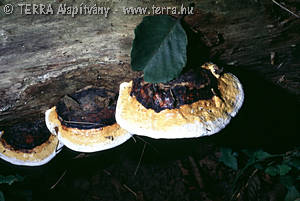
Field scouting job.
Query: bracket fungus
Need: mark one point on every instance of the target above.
(28, 144)
(200, 102)
(85, 120)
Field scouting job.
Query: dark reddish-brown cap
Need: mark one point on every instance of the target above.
(206, 115)
(28, 144)
(85, 121)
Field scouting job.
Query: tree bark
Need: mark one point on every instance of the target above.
(44, 57)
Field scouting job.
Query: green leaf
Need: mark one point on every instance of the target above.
(256, 155)
(228, 158)
(283, 169)
(292, 194)
(159, 48)
(273, 171)
(10, 179)
(261, 155)
(2, 196)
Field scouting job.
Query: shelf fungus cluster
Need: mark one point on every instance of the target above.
(85, 121)
(28, 144)
(200, 102)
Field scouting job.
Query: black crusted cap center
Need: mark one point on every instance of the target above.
(193, 85)
(26, 136)
(87, 109)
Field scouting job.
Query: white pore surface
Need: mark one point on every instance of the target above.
(239, 98)
(50, 125)
(16, 161)
(94, 147)
(190, 130)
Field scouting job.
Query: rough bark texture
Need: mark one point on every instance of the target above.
(44, 57)
(245, 35)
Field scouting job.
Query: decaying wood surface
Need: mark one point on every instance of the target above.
(43, 57)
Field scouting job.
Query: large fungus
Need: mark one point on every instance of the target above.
(28, 144)
(199, 102)
(85, 120)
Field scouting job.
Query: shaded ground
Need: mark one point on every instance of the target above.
(177, 170)
(111, 176)
(144, 169)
